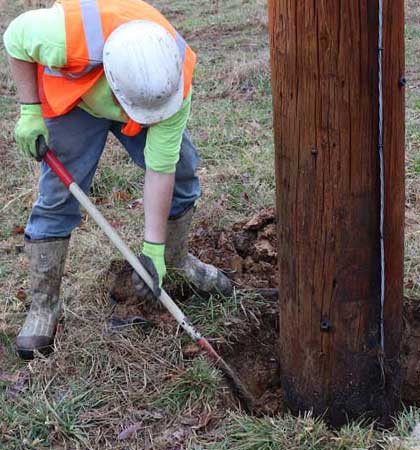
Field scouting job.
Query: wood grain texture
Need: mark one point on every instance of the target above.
(325, 99)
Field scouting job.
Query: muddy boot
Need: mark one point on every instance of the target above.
(46, 265)
(204, 277)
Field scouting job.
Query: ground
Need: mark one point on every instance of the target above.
(112, 384)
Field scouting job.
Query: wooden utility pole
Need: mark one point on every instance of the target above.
(326, 97)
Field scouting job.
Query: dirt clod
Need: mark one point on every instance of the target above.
(241, 251)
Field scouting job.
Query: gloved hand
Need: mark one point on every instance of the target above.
(30, 126)
(152, 258)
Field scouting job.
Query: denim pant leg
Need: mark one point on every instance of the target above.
(77, 139)
(187, 184)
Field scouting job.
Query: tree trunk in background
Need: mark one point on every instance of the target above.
(325, 98)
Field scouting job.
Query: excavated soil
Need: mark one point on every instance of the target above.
(247, 253)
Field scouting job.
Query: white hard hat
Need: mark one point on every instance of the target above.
(143, 66)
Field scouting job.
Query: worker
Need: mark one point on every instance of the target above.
(83, 68)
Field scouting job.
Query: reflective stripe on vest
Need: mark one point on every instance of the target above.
(94, 36)
(182, 45)
(93, 30)
(92, 27)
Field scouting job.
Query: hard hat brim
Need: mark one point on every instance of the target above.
(147, 116)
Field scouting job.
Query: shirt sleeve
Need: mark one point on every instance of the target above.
(38, 36)
(164, 139)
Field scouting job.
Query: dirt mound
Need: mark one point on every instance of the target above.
(247, 252)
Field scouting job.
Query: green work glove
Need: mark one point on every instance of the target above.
(30, 126)
(152, 258)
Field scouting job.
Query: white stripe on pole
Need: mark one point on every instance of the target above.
(381, 171)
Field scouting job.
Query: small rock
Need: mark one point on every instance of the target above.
(236, 263)
(261, 219)
(248, 263)
(222, 240)
(242, 242)
(128, 432)
(269, 232)
(264, 250)
(21, 294)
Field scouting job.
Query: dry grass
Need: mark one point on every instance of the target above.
(412, 259)
(99, 382)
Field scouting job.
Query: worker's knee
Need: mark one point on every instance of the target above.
(55, 212)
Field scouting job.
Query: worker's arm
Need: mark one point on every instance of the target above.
(31, 124)
(38, 36)
(161, 154)
(24, 75)
(158, 191)
(33, 37)
(164, 140)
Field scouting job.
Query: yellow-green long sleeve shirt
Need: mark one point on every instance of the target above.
(39, 36)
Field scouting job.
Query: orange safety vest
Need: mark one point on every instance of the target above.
(88, 24)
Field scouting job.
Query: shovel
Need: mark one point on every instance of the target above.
(43, 153)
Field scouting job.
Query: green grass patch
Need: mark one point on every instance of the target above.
(196, 386)
(121, 177)
(417, 166)
(5, 232)
(10, 361)
(407, 420)
(412, 32)
(242, 432)
(210, 314)
(250, 433)
(41, 418)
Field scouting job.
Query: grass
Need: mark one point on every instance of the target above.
(44, 417)
(288, 432)
(196, 386)
(417, 166)
(241, 432)
(412, 241)
(100, 382)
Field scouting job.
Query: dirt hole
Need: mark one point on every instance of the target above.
(253, 358)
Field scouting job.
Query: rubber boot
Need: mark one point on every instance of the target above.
(204, 277)
(46, 265)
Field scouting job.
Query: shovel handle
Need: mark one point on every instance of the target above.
(58, 169)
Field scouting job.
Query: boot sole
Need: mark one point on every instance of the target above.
(27, 354)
